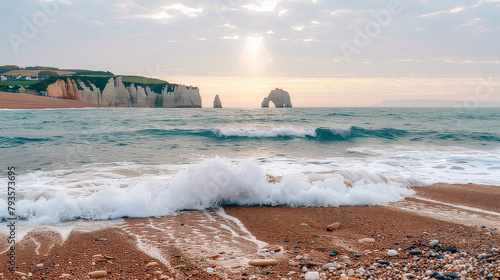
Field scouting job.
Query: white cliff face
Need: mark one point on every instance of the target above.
(181, 97)
(279, 97)
(115, 93)
(217, 103)
(90, 95)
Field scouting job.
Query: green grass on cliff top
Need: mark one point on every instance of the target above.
(142, 80)
(100, 82)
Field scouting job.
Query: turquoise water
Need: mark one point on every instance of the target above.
(73, 155)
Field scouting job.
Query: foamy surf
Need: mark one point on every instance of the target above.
(122, 191)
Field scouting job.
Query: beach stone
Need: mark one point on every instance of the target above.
(210, 270)
(415, 252)
(392, 253)
(180, 266)
(65, 275)
(384, 262)
(213, 257)
(433, 243)
(311, 275)
(263, 262)
(451, 275)
(304, 269)
(98, 274)
(328, 265)
(292, 263)
(272, 248)
(292, 273)
(333, 227)
(334, 253)
(367, 240)
(151, 264)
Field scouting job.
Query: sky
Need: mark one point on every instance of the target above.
(325, 53)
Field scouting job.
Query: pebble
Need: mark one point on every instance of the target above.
(98, 274)
(392, 253)
(213, 257)
(416, 252)
(180, 266)
(312, 275)
(272, 248)
(334, 253)
(328, 265)
(263, 262)
(367, 240)
(333, 227)
(151, 264)
(433, 243)
(450, 274)
(210, 270)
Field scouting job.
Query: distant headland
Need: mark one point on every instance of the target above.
(98, 87)
(105, 89)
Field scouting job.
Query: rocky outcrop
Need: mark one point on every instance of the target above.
(115, 93)
(217, 103)
(279, 97)
(63, 89)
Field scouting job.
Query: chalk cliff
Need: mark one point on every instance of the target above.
(279, 97)
(117, 93)
(217, 103)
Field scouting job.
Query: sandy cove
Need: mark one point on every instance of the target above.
(218, 244)
(9, 100)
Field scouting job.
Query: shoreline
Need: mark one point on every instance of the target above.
(9, 100)
(194, 243)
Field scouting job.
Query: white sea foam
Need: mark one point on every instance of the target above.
(275, 132)
(118, 191)
(343, 131)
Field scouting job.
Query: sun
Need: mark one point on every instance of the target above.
(254, 44)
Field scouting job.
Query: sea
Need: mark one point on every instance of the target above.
(111, 163)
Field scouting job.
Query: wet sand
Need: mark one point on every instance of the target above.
(223, 241)
(9, 100)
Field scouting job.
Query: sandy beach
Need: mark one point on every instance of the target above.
(9, 100)
(219, 243)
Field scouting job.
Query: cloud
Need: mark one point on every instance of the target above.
(263, 6)
(180, 8)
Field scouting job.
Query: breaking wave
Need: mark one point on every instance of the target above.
(106, 193)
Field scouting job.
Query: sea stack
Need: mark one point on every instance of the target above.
(217, 103)
(279, 97)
